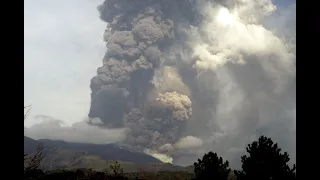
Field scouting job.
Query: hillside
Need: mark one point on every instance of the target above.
(105, 151)
(65, 155)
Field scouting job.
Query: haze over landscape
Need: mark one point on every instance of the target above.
(176, 79)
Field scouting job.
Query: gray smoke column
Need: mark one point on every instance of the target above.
(137, 87)
(194, 73)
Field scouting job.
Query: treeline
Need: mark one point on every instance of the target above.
(35, 173)
(263, 161)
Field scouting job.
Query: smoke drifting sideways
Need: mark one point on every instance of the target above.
(189, 76)
(80, 132)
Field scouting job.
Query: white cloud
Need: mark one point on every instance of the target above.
(51, 128)
(252, 55)
(63, 46)
(228, 37)
(189, 142)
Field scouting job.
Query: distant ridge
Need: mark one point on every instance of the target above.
(66, 155)
(105, 151)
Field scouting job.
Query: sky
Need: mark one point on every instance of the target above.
(63, 41)
(63, 47)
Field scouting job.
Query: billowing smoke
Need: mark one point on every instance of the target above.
(188, 76)
(189, 142)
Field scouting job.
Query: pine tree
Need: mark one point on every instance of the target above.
(211, 167)
(265, 162)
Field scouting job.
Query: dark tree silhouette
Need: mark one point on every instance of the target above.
(28, 111)
(33, 162)
(117, 171)
(211, 167)
(265, 162)
(25, 117)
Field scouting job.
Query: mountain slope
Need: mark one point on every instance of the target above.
(106, 151)
(65, 155)
(30, 145)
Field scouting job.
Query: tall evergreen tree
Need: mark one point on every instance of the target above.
(211, 167)
(265, 161)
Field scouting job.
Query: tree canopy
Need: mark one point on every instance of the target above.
(211, 167)
(265, 161)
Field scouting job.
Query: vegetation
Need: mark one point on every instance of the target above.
(264, 161)
(33, 162)
(211, 167)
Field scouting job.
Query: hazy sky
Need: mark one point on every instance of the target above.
(63, 41)
(63, 47)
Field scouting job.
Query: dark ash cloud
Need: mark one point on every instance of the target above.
(209, 72)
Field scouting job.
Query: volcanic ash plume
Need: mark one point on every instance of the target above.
(178, 103)
(134, 88)
(161, 124)
(178, 72)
